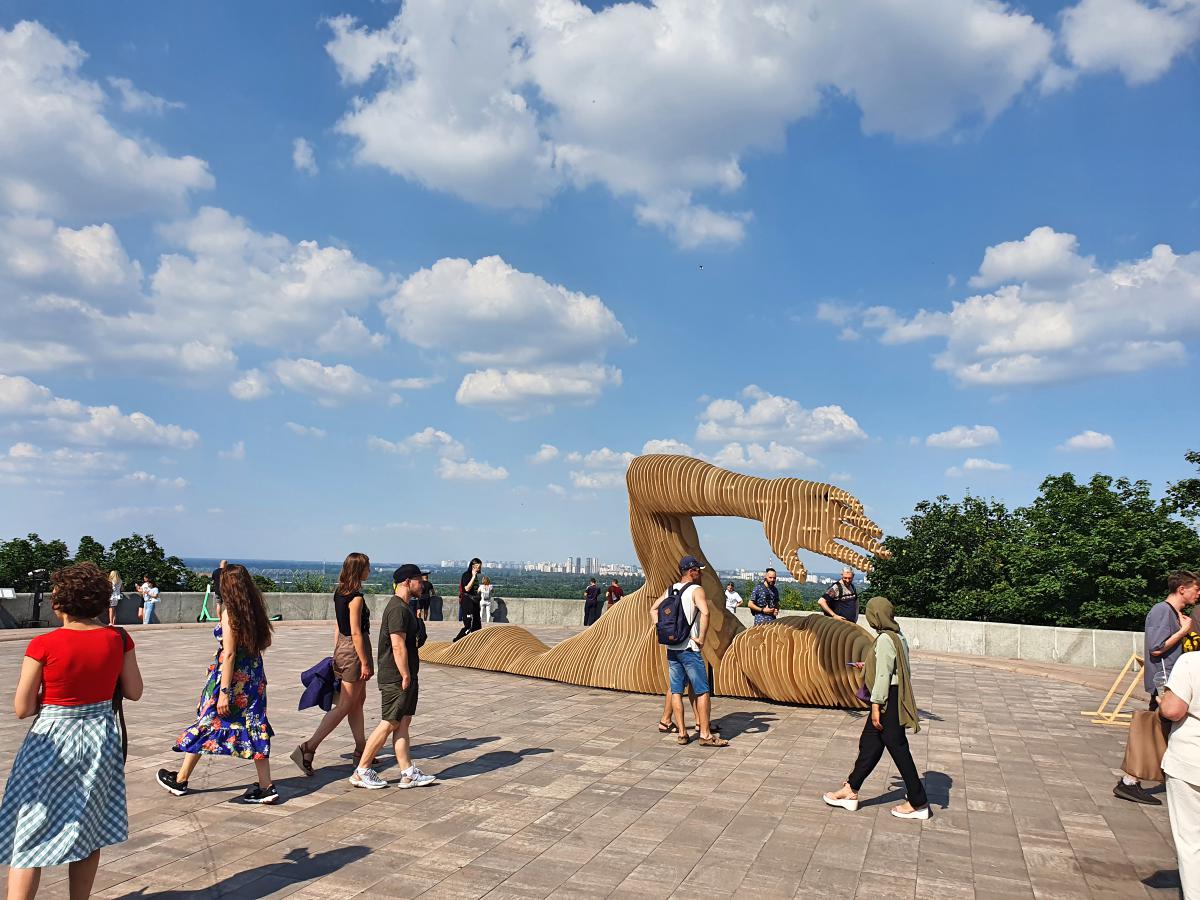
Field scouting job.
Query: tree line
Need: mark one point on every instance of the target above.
(1092, 554)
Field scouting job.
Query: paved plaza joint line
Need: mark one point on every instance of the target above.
(552, 790)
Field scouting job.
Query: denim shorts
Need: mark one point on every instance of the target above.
(687, 666)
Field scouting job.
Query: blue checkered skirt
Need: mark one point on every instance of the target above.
(65, 796)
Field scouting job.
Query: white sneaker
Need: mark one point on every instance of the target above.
(848, 803)
(367, 778)
(416, 778)
(922, 813)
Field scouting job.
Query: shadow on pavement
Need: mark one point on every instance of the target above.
(489, 762)
(300, 866)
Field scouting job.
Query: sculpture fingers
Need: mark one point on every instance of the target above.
(844, 554)
(862, 537)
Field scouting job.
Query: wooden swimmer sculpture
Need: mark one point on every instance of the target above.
(800, 659)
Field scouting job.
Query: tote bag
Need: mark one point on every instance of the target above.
(1147, 744)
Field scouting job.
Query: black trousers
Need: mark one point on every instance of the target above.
(893, 739)
(470, 616)
(591, 612)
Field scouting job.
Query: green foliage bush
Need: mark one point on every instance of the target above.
(1086, 555)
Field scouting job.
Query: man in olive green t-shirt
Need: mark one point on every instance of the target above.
(399, 663)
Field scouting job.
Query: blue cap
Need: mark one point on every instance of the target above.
(689, 562)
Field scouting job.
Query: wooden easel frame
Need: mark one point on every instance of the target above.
(1102, 716)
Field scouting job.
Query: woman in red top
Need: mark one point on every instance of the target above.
(65, 797)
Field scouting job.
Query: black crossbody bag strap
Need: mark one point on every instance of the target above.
(118, 700)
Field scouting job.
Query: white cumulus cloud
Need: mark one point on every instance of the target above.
(668, 446)
(764, 416)
(774, 457)
(975, 464)
(253, 385)
(1086, 321)
(469, 470)
(70, 160)
(135, 100)
(303, 158)
(236, 452)
(597, 480)
(964, 437)
(544, 454)
(1140, 40)
(1088, 440)
(520, 393)
(305, 430)
(328, 385)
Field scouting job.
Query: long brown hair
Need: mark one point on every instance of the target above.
(355, 570)
(246, 610)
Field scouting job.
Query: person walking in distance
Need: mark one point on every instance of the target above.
(841, 600)
(732, 599)
(485, 601)
(764, 599)
(591, 597)
(231, 719)
(893, 708)
(425, 598)
(685, 664)
(65, 796)
(399, 668)
(614, 593)
(1166, 630)
(352, 661)
(468, 598)
(116, 589)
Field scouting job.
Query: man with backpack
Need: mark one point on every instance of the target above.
(841, 600)
(680, 618)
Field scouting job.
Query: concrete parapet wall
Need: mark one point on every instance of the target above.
(1036, 643)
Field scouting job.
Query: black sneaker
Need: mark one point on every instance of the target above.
(1135, 793)
(255, 794)
(171, 782)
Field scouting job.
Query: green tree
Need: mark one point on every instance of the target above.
(136, 556)
(91, 550)
(20, 556)
(265, 584)
(951, 563)
(1183, 497)
(1096, 555)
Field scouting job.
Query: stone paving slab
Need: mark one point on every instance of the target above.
(551, 790)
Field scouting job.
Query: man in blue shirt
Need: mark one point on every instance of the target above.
(764, 601)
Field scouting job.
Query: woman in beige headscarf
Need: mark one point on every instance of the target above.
(892, 710)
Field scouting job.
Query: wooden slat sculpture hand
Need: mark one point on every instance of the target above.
(801, 659)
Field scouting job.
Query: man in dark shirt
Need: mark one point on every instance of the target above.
(396, 673)
(841, 600)
(764, 599)
(591, 608)
(468, 598)
(425, 597)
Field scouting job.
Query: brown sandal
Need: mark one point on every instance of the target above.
(713, 741)
(683, 740)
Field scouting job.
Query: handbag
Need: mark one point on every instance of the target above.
(118, 700)
(1146, 746)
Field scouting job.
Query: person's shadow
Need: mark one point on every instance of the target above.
(300, 866)
(737, 723)
(937, 790)
(440, 749)
(489, 762)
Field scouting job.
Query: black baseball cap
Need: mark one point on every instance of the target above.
(407, 571)
(689, 562)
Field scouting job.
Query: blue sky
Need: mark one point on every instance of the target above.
(298, 279)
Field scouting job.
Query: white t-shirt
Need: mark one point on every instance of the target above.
(732, 600)
(485, 593)
(1182, 759)
(690, 613)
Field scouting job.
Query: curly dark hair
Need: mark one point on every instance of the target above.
(81, 591)
(246, 610)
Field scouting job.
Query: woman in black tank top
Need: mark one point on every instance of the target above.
(351, 661)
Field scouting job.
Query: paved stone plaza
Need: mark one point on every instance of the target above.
(550, 790)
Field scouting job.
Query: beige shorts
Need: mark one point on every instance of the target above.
(346, 665)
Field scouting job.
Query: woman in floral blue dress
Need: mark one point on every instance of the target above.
(231, 719)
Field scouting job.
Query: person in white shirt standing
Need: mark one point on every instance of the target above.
(732, 598)
(1180, 703)
(485, 600)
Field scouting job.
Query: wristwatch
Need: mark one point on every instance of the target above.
(224, 690)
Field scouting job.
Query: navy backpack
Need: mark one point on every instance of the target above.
(673, 626)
